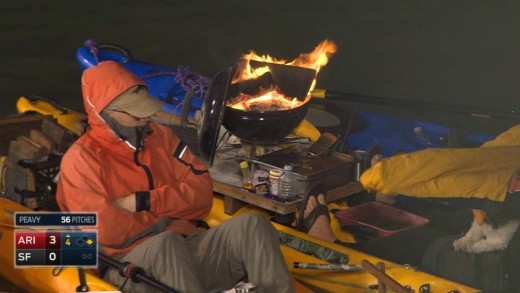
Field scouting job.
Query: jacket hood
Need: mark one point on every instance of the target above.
(101, 84)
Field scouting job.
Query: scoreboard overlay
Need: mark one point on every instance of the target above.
(56, 248)
(64, 220)
(48, 246)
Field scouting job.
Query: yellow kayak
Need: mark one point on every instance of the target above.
(338, 281)
(319, 280)
(73, 120)
(51, 279)
(47, 279)
(36, 279)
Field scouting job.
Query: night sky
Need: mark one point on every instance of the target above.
(464, 53)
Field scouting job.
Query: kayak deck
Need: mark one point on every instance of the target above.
(338, 281)
(45, 280)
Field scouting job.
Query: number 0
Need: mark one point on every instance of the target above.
(52, 256)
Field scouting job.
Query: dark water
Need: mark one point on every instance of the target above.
(463, 53)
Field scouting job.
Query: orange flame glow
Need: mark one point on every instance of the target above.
(270, 101)
(318, 58)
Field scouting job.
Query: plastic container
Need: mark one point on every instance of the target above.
(382, 218)
(287, 183)
(247, 182)
(275, 176)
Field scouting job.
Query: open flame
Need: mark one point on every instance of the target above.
(273, 99)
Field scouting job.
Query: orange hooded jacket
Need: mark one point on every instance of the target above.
(99, 168)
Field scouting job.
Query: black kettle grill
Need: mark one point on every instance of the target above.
(255, 127)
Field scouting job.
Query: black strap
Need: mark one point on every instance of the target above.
(142, 201)
(186, 107)
(179, 151)
(138, 163)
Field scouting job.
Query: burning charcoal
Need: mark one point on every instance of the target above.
(270, 101)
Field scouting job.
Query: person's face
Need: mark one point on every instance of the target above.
(126, 119)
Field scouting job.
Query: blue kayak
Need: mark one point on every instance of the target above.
(168, 85)
(391, 134)
(395, 135)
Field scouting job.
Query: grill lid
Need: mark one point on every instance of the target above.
(212, 113)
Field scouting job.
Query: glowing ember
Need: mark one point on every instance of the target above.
(273, 99)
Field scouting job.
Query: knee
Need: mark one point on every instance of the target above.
(169, 246)
(158, 243)
(170, 238)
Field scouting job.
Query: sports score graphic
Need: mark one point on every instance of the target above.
(55, 239)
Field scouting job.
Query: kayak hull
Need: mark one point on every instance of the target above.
(45, 280)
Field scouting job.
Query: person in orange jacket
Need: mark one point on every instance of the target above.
(149, 191)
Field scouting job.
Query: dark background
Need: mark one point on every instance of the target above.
(463, 53)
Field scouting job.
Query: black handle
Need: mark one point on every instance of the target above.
(117, 49)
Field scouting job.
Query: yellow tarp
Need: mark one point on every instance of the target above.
(482, 172)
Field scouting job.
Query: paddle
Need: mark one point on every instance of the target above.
(410, 104)
(135, 273)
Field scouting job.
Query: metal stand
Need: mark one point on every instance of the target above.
(83, 287)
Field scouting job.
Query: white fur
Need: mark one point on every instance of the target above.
(483, 238)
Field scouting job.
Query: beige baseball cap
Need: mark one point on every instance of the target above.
(137, 102)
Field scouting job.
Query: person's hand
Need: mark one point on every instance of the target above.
(127, 203)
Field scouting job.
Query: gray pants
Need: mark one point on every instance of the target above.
(212, 260)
